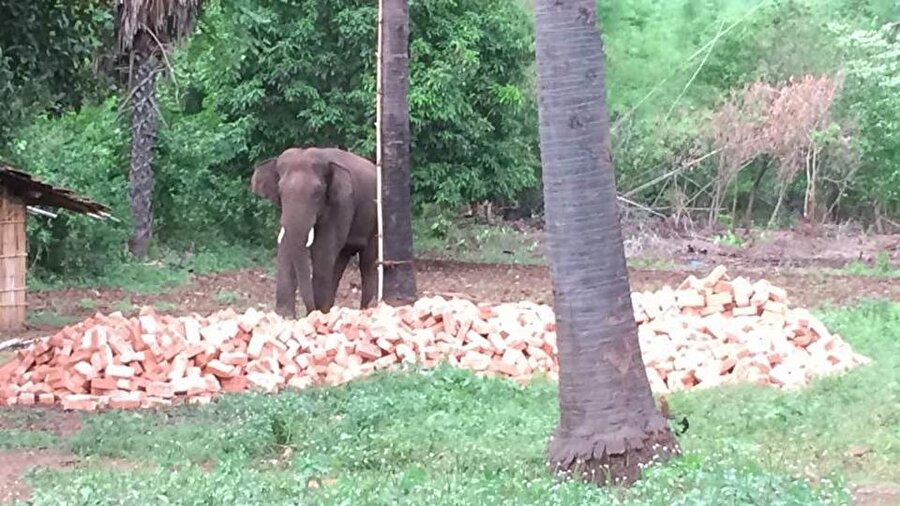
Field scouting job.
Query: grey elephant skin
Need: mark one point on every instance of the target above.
(329, 193)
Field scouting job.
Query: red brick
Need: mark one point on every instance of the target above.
(106, 383)
(27, 399)
(220, 369)
(119, 371)
(79, 402)
(126, 400)
(160, 389)
(234, 385)
(85, 369)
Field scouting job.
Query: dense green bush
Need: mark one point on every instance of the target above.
(86, 152)
(50, 52)
(302, 72)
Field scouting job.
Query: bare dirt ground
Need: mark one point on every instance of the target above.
(481, 282)
(15, 464)
(810, 263)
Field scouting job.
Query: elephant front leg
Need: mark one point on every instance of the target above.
(323, 257)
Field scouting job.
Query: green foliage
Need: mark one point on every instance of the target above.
(872, 99)
(85, 152)
(48, 53)
(297, 73)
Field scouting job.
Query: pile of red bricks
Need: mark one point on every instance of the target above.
(704, 333)
(717, 330)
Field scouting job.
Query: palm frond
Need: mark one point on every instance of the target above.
(167, 20)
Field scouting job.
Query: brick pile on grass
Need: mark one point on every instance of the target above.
(703, 333)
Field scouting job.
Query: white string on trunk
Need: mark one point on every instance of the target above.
(379, 94)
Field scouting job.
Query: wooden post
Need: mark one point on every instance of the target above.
(13, 252)
(379, 94)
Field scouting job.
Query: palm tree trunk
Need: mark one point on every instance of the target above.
(399, 270)
(609, 422)
(144, 124)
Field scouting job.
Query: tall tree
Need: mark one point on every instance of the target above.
(145, 29)
(609, 425)
(399, 282)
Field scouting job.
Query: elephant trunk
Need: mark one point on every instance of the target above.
(294, 240)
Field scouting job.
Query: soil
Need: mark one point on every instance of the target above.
(481, 282)
(36, 418)
(15, 464)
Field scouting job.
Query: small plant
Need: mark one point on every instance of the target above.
(228, 297)
(124, 306)
(87, 304)
(728, 239)
(165, 306)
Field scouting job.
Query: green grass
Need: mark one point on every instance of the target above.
(881, 268)
(228, 297)
(49, 319)
(437, 236)
(448, 437)
(17, 438)
(159, 274)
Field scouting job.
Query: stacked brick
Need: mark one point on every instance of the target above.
(706, 332)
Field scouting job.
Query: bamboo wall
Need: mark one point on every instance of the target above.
(13, 252)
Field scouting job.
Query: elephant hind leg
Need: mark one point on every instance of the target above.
(368, 273)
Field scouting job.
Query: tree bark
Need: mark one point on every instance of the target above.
(144, 124)
(748, 214)
(609, 425)
(399, 269)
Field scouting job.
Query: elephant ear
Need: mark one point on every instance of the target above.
(340, 187)
(265, 181)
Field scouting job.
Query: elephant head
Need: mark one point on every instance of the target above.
(313, 191)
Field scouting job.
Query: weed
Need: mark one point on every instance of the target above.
(164, 306)
(17, 438)
(882, 267)
(228, 297)
(125, 306)
(49, 319)
(87, 304)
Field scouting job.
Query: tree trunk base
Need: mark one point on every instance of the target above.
(616, 458)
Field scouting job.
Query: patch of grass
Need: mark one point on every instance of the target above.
(165, 306)
(228, 297)
(448, 437)
(651, 263)
(87, 304)
(881, 268)
(49, 319)
(438, 236)
(16, 438)
(168, 270)
(729, 239)
(125, 306)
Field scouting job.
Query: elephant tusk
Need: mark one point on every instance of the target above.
(281, 235)
(309, 240)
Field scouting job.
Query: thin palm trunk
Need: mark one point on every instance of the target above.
(399, 270)
(145, 28)
(609, 425)
(144, 124)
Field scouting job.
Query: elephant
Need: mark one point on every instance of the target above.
(326, 197)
